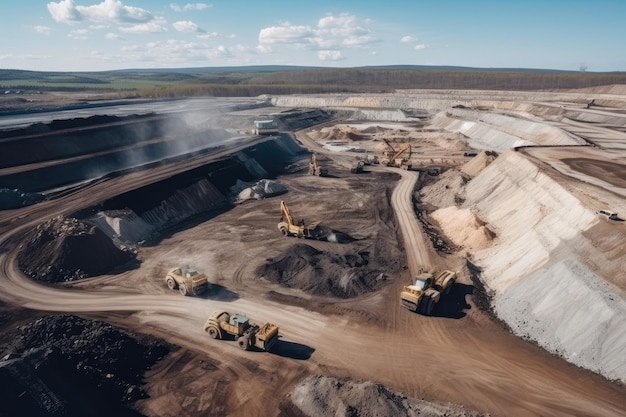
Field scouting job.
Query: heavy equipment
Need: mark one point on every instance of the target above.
(399, 157)
(222, 325)
(426, 292)
(187, 281)
(288, 226)
(315, 169)
(357, 168)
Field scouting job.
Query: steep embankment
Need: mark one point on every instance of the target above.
(500, 132)
(546, 274)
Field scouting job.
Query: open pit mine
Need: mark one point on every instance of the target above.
(313, 214)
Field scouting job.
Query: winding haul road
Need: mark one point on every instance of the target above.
(470, 362)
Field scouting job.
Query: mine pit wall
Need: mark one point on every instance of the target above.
(205, 188)
(545, 274)
(499, 132)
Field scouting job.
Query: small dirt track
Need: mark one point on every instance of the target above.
(472, 362)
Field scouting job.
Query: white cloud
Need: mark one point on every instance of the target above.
(189, 6)
(176, 52)
(114, 10)
(131, 48)
(342, 21)
(155, 26)
(98, 27)
(78, 34)
(356, 41)
(109, 12)
(330, 55)
(286, 34)
(212, 35)
(406, 39)
(44, 30)
(420, 46)
(186, 26)
(332, 34)
(111, 35)
(64, 11)
(264, 49)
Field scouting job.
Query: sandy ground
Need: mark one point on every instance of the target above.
(462, 355)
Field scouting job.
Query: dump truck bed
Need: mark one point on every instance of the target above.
(266, 336)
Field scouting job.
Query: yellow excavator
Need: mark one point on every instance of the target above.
(399, 157)
(315, 169)
(288, 226)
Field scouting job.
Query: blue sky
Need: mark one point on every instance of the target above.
(93, 35)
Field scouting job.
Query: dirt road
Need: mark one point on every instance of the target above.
(471, 361)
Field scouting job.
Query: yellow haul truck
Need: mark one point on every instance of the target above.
(422, 296)
(187, 281)
(221, 325)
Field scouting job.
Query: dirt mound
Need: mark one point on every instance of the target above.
(66, 249)
(463, 227)
(326, 396)
(447, 190)
(69, 366)
(323, 273)
(478, 163)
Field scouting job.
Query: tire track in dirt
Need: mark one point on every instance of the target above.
(478, 366)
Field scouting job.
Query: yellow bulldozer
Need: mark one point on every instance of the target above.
(422, 296)
(399, 157)
(315, 169)
(223, 325)
(288, 226)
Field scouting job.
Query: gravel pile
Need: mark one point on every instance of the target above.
(66, 249)
(326, 396)
(323, 273)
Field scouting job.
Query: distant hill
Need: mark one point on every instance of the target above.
(276, 79)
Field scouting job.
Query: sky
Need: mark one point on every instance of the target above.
(96, 35)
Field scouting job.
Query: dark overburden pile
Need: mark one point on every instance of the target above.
(323, 273)
(69, 366)
(65, 249)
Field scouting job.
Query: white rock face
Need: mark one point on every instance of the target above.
(569, 311)
(541, 269)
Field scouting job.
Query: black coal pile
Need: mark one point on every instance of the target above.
(69, 366)
(66, 249)
(323, 273)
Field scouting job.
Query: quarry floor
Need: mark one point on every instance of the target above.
(461, 355)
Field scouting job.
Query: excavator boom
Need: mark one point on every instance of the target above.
(395, 156)
(286, 214)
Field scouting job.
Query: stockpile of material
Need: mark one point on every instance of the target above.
(262, 189)
(123, 226)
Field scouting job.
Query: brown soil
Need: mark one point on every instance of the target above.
(460, 355)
